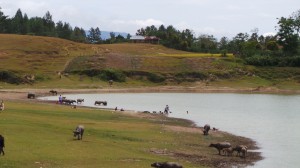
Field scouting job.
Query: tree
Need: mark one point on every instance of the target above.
(3, 22)
(79, 35)
(94, 36)
(296, 18)
(49, 25)
(36, 26)
(112, 37)
(18, 24)
(128, 36)
(206, 43)
(64, 30)
(287, 37)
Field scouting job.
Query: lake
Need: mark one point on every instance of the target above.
(271, 120)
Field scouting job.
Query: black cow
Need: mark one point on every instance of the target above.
(2, 145)
(220, 146)
(166, 165)
(79, 130)
(206, 128)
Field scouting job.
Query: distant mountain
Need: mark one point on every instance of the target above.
(106, 34)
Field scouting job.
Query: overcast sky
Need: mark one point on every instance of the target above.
(213, 17)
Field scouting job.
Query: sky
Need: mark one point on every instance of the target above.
(213, 17)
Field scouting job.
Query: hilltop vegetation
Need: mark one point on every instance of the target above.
(38, 60)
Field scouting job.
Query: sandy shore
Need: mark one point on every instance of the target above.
(21, 94)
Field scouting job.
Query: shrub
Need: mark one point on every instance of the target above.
(10, 77)
(111, 74)
(156, 78)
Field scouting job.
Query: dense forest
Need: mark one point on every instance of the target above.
(281, 49)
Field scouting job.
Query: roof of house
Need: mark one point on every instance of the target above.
(137, 38)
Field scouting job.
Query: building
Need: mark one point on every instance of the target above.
(145, 39)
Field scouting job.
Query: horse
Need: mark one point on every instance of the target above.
(79, 130)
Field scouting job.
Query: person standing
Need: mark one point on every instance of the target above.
(2, 145)
(166, 109)
(60, 99)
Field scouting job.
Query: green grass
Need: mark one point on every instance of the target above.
(40, 135)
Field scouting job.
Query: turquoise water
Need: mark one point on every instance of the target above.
(271, 120)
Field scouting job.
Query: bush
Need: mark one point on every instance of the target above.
(257, 60)
(196, 75)
(155, 78)
(10, 77)
(110, 74)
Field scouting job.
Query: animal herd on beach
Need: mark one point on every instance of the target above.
(224, 148)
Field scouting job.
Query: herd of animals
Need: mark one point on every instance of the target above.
(224, 148)
(78, 101)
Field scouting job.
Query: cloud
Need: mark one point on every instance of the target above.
(147, 22)
(269, 34)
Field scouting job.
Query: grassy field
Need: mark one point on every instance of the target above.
(143, 65)
(40, 135)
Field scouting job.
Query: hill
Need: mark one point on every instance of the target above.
(40, 59)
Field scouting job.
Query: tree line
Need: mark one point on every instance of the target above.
(45, 26)
(281, 49)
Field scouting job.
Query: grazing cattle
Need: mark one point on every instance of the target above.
(227, 151)
(101, 102)
(2, 145)
(241, 149)
(68, 101)
(79, 101)
(53, 92)
(31, 96)
(166, 165)
(78, 132)
(206, 128)
(220, 146)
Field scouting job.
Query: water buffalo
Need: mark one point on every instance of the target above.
(100, 102)
(78, 132)
(220, 146)
(79, 101)
(206, 128)
(241, 149)
(53, 92)
(31, 96)
(2, 145)
(68, 101)
(227, 151)
(166, 165)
